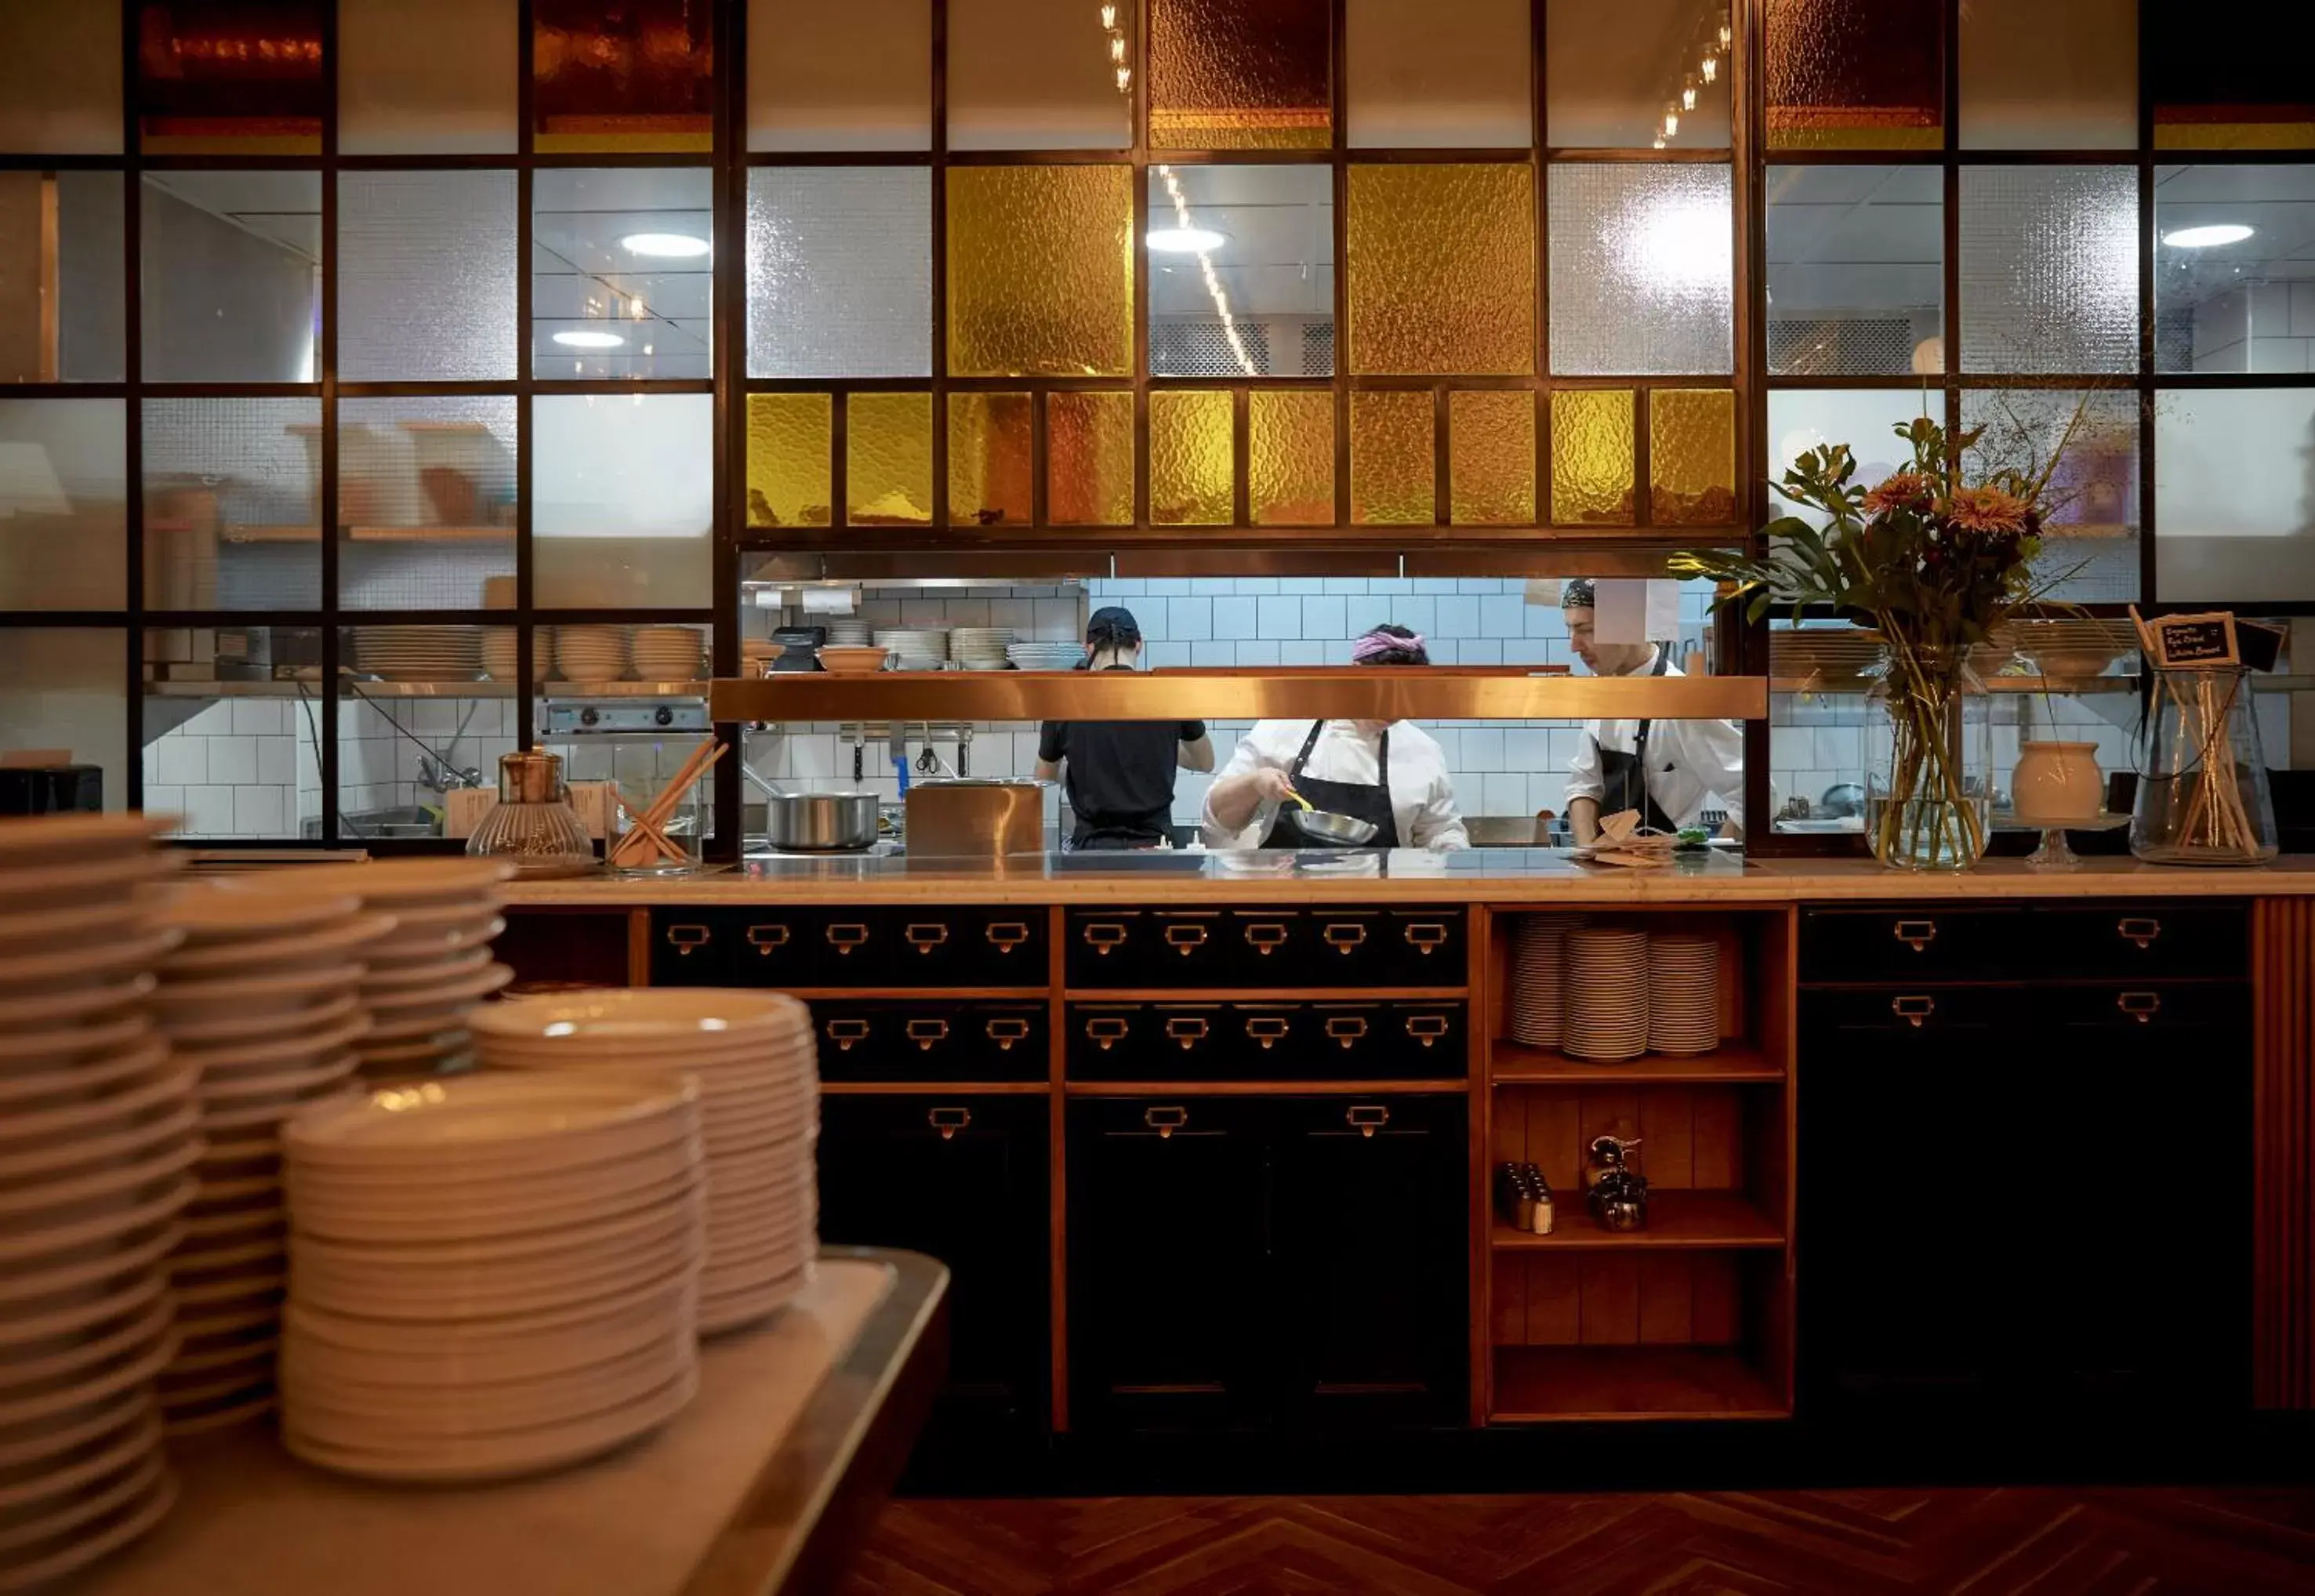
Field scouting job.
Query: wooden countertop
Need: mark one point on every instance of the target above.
(1479, 876)
(754, 1488)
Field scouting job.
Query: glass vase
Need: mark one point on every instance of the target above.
(1929, 760)
(2202, 778)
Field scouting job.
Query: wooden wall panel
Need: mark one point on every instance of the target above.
(2282, 1225)
(1652, 1298)
(1691, 1136)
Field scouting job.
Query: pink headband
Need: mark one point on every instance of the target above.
(1382, 642)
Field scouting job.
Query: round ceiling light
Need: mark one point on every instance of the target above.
(2210, 238)
(673, 246)
(1185, 241)
(589, 341)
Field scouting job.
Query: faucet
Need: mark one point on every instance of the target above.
(438, 775)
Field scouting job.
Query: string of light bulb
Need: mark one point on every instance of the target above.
(1713, 41)
(1204, 252)
(1120, 67)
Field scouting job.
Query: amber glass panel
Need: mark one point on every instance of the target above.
(1422, 74)
(1089, 459)
(1443, 270)
(428, 77)
(1691, 456)
(59, 78)
(1611, 73)
(2050, 75)
(1591, 457)
(1190, 459)
(788, 437)
(242, 77)
(1290, 471)
(1040, 271)
(888, 459)
(1240, 74)
(2232, 74)
(855, 76)
(1393, 477)
(990, 475)
(1034, 74)
(1855, 74)
(1491, 460)
(636, 75)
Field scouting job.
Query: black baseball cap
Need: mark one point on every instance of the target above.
(1112, 622)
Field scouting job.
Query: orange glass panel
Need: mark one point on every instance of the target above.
(1392, 466)
(636, 75)
(888, 459)
(990, 475)
(1491, 460)
(1240, 74)
(1855, 74)
(1089, 459)
(1040, 271)
(1591, 457)
(1289, 439)
(242, 77)
(788, 438)
(1691, 456)
(2231, 75)
(1443, 270)
(1191, 458)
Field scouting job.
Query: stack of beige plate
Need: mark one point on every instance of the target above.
(752, 1056)
(1826, 653)
(915, 648)
(2064, 647)
(419, 653)
(491, 1275)
(98, 1138)
(499, 662)
(980, 648)
(666, 654)
(848, 633)
(1538, 955)
(1607, 994)
(1683, 993)
(591, 653)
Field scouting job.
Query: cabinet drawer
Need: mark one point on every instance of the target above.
(1931, 942)
(1904, 1016)
(1140, 947)
(1265, 947)
(1150, 1042)
(1212, 1042)
(2153, 1008)
(2143, 941)
(960, 947)
(910, 1040)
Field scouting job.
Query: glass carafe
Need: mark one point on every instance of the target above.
(532, 826)
(2202, 776)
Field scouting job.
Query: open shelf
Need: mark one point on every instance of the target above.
(1676, 1218)
(1513, 1063)
(1535, 1384)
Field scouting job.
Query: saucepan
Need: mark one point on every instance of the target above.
(1338, 831)
(831, 822)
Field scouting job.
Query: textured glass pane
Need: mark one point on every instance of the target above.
(401, 317)
(1034, 74)
(1856, 272)
(636, 75)
(1424, 76)
(410, 693)
(1089, 459)
(59, 78)
(1443, 270)
(428, 77)
(1039, 272)
(231, 281)
(66, 691)
(2049, 269)
(839, 271)
(1241, 271)
(622, 500)
(2089, 533)
(989, 477)
(855, 76)
(1691, 456)
(239, 77)
(64, 509)
(426, 500)
(62, 304)
(1240, 74)
(1190, 459)
(1864, 419)
(888, 459)
(2232, 289)
(1620, 75)
(1642, 270)
(1290, 468)
(2229, 524)
(789, 438)
(1855, 74)
(1491, 460)
(2050, 75)
(1591, 457)
(233, 503)
(2232, 74)
(1394, 467)
(622, 272)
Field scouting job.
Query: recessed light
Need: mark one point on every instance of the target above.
(678, 246)
(589, 341)
(2217, 232)
(1185, 241)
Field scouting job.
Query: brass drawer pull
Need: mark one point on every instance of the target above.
(1108, 1030)
(1006, 935)
(1915, 935)
(767, 940)
(1189, 1030)
(1343, 937)
(1103, 937)
(845, 937)
(1265, 936)
(2141, 1006)
(925, 1032)
(2141, 929)
(1165, 1121)
(1915, 1010)
(1427, 936)
(1004, 1033)
(1269, 1030)
(925, 939)
(1426, 1029)
(1346, 1029)
(1184, 939)
(686, 939)
(1366, 1117)
(844, 1032)
(948, 1121)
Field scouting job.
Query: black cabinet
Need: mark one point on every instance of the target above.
(1265, 947)
(836, 947)
(1406, 1040)
(878, 1039)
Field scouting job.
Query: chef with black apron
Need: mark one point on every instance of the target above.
(1671, 771)
(1119, 774)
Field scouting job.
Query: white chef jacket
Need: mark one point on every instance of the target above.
(1422, 797)
(1691, 763)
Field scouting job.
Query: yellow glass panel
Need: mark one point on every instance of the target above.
(1240, 74)
(1289, 439)
(1040, 271)
(1491, 460)
(1392, 477)
(788, 438)
(1591, 457)
(1441, 271)
(990, 473)
(1190, 459)
(1089, 459)
(1691, 456)
(888, 459)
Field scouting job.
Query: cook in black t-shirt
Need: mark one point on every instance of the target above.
(1119, 777)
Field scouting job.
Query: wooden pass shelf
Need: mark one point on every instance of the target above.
(1676, 1218)
(1630, 1382)
(1515, 1064)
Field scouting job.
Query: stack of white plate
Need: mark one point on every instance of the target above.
(490, 1275)
(1539, 958)
(98, 1136)
(848, 633)
(419, 653)
(498, 652)
(752, 1054)
(1045, 656)
(1683, 993)
(666, 654)
(591, 653)
(980, 648)
(915, 648)
(1606, 1008)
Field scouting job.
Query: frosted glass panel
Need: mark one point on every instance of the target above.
(428, 77)
(1426, 75)
(425, 500)
(233, 503)
(1856, 273)
(401, 316)
(839, 271)
(59, 77)
(622, 496)
(2233, 515)
(65, 691)
(1804, 418)
(623, 272)
(2050, 75)
(2049, 269)
(853, 76)
(231, 279)
(63, 492)
(1242, 276)
(2090, 531)
(1613, 72)
(1642, 270)
(62, 309)
(2232, 289)
(1033, 75)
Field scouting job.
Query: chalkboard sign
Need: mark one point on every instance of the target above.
(2195, 640)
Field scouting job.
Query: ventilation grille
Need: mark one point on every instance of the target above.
(1318, 349)
(1201, 349)
(1840, 346)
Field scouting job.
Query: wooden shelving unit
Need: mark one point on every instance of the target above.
(1675, 1220)
(1535, 1384)
(1516, 1065)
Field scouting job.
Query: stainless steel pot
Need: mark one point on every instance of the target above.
(823, 822)
(973, 817)
(1338, 831)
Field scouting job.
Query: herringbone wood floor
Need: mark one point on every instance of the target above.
(1843, 1543)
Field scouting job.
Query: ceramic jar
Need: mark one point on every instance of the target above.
(2057, 784)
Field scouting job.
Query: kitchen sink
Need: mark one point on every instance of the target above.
(404, 821)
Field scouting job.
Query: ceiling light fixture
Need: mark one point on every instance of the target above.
(2208, 237)
(674, 246)
(1184, 240)
(589, 341)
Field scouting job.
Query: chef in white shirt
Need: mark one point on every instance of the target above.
(1391, 774)
(1671, 771)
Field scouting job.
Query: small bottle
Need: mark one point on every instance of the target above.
(1543, 1219)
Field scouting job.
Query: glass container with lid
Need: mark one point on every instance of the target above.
(532, 826)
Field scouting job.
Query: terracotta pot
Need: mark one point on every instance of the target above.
(2057, 783)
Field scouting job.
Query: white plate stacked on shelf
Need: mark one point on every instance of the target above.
(491, 1275)
(419, 653)
(667, 653)
(591, 653)
(499, 662)
(1539, 958)
(1605, 1017)
(1045, 656)
(752, 1056)
(847, 634)
(1683, 993)
(915, 648)
(980, 648)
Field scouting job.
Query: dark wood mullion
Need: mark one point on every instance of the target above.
(1338, 155)
(1743, 644)
(839, 511)
(1442, 466)
(326, 761)
(1138, 158)
(1540, 158)
(2150, 591)
(729, 339)
(132, 407)
(525, 560)
(839, 465)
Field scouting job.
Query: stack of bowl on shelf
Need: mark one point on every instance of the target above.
(1537, 1005)
(1044, 656)
(666, 654)
(98, 1138)
(419, 653)
(499, 662)
(980, 648)
(1609, 994)
(591, 653)
(1683, 993)
(915, 648)
(491, 1275)
(752, 1056)
(1606, 982)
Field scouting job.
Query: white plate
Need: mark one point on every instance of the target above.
(428, 883)
(670, 1219)
(72, 1004)
(230, 1092)
(124, 1339)
(452, 934)
(649, 1012)
(69, 885)
(100, 1269)
(398, 1417)
(84, 965)
(48, 1162)
(416, 1127)
(492, 1337)
(391, 1006)
(53, 1048)
(209, 1416)
(544, 1295)
(97, 1539)
(250, 1028)
(426, 971)
(330, 944)
(125, 1296)
(223, 1065)
(427, 1365)
(93, 1077)
(232, 911)
(46, 928)
(463, 1292)
(255, 994)
(71, 1430)
(24, 838)
(456, 1219)
(224, 1121)
(120, 1450)
(164, 1085)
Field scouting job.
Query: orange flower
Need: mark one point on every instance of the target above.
(1907, 490)
(1987, 510)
